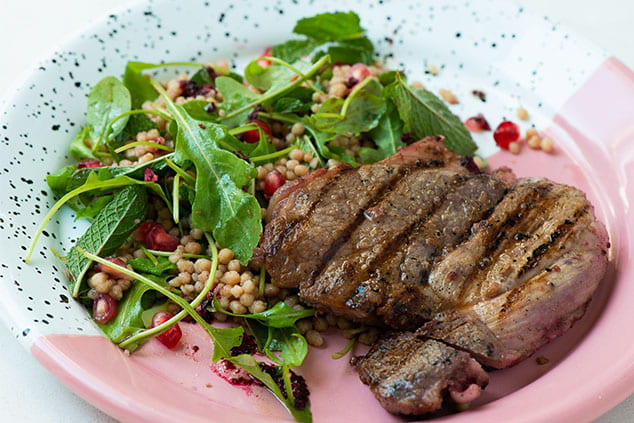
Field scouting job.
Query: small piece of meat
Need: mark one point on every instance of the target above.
(413, 377)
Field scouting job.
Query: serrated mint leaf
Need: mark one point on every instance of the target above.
(424, 114)
(109, 229)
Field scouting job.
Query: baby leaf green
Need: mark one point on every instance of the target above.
(330, 26)
(108, 99)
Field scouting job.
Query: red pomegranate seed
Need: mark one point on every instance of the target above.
(272, 181)
(477, 124)
(263, 62)
(109, 270)
(89, 163)
(506, 133)
(104, 308)
(253, 136)
(158, 239)
(150, 176)
(359, 71)
(153, 236)
(171, 336)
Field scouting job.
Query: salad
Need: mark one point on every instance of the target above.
(175, 176)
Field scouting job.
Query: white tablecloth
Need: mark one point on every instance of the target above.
(28, 393)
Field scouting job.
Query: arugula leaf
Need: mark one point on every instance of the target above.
(58, 181)
(278, 316)
(220, 205)
(110, 229)
(360, 112)
(108, 99)
(198, 110)
(292, 346)
(425, 114)
(129, 317)
(248, 363)
(330, 26)
(145, 265)
(386, 136)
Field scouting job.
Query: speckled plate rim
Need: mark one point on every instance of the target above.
(587, 402)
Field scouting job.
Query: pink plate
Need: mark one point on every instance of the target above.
(583, 98)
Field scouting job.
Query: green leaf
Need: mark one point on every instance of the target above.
(109, 230)
(139, 85)
(93, 208)
(386, 136)
(145, 265)
(235, 96)
(202, 77)
(78, 148)
(425, 114)
(330, 26)
(108, 99)
(220, 205)
(198, 110)
(278, 316)
(248, 363)
(298, 100)
(136, 123)
(224, 340)
(293, 50)
(365, 108)
(358, 50)
(129, 317)
(58, 181)
(291, 345)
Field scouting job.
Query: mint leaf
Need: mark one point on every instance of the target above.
(108, 99)
(111, 227)
(293, 50)
(425, 114)
(330, 26)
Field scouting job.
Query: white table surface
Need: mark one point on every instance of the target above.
(28, 393)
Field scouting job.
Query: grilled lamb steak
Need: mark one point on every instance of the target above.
(483, 264)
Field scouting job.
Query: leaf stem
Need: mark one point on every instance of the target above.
(270, 95)
(270, 156)
(140, 112)
(176, 198)
(345, 350)
(146, 143)
(186, 176)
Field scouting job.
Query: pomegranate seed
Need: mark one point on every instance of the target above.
(153, 236)
(477, 124)
(357, 73)
(150, 176)
(272, 181)
(253, 136)
(158, 239)
(109, 270)
(171, 336)
(263, 62)
(506, 133)
(89, 164)
(104, 308)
